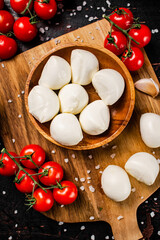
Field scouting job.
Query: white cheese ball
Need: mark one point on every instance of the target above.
(109, 84)
(56, 73)
(73, 98)
(150, 129)
(84, 65)
(95, 118)
(143, 166)
(43, 103)
(115, 183)
(66, 130)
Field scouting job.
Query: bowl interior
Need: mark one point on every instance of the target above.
(121, 111)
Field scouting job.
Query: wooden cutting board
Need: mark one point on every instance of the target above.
(17, 131)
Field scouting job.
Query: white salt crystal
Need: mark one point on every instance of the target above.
(113, 155)
(2, 65)
(90, 156)
(60, 223)
(19, 116)
(120, 217)
(66, 160)
(152, 214)
(13, 140)
(76, 179)
(79, 8)
(82, 188)
(82, 179)
(53, 151)
(15, 211)
(108, 3)
(84, 3)
(90, 19)
(46, 28)
(65, 230)
(158, 233)
(97, 167)
(3, 192)
(82, 227)
(91, 217)
(69, 26)
(91, 188)
(93, 237)
(10, 101)
(73, 155)
(88, 171)
(86, 16)
(133, 189)
(41, 30)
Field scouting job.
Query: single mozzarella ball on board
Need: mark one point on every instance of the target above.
(143, 166)
(66, 130)
(43, 103)
(56, 73)
(95, 118)
(115, 183)
(150, 129)
(73, 98)
(109, 84)
(84, 65)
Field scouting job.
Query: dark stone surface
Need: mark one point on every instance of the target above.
(15, 221)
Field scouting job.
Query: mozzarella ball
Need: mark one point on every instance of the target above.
(73, 98)
(150, 129)
(56, 73)
(115, 183)
(109, 84)
(66, 130)
(84, 65)
(95, 118)
(143, 166)
(43, 103)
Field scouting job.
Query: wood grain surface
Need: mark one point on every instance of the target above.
(15, 124)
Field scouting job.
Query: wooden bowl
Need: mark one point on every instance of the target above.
(121, 111)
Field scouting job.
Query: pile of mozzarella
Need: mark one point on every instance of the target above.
(72, 99)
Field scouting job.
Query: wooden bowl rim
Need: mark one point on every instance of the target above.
(130, 109)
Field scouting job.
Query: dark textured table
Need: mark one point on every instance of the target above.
(15, 221)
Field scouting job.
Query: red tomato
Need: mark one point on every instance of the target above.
(123, 17)
(54, 175)
(44, 200)
(7, 165)
(8, 47)
(45, 10)
(26, 185)
(38, 156)
(6, 21)
(24, 30)
(135, 61)
(141, 35)
(1, 4)
(20, 5)
(66, 195)
(117, 43)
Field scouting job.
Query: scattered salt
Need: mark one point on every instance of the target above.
(97, 28)
(10, 101)
(82, 40)
(86, 16)
(19, 116)
(142, 197)
(88, 171)
(120, 217)
(84, 3)
(88, 181)
(100, 172)
(113, 155)
(108, 3)
(90, 19)
(128, 4)
(155, 199)
(82, 188)
(75, 39)
(93, 237)
(10, 238)
(82, 179)
(3, 192)
(66, 160)
(78, 37)
(73, 155)
(62, 205)
(90, 156)
(146, 201)
(103, 9)
(91, 6)
(46, 28)
(158, 233)
(91, 217)
(13, 140)
(18, 95)
(16, 225)
(98, 8)
(76, 179)
(112, 237)
(69, 26)
(91, 188)
(74, 13)
(82, 227)
(152, 214)
(2, 65)
(71, 14)
(97, 167)
(47, 38)
(15, 211)
(57, 23)
(142, 223)
(53, 151)
(41, 30)
(154, 152)
(60, 223)
(107, 237)
(79, 8)
(92, 38)
(133, 189)
(114, 147)
(88, 178)
(22, 92)
(65, 230)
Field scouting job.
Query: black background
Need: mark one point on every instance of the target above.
(22, 224)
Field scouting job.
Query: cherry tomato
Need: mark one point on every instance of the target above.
(54, 174)
(26, 185)
(67, 194)
(6, 21)
(38, 156)
(7, 165)
(44, 200)
(24, 30)
(8, 47)
(135, 61)
(123, 17)
(141, 35)
(45, 10)
(117, 43)
(1, 4)
(20, 5)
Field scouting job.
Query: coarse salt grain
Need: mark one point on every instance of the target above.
(113, 155)
(120, 217)
(93, 237)
(46, 28)
(66, 160)
(62, 205)
(82, 227)
(128, 4)
(82, 40)
(16, 225)
(79, 8)
(98, 8)
(152, 214)
(75, 39)
(88, 181)
(74, 13)
(82, 179)
(108, 3)
(78, 37)
(107, 237)
(15, 211)
(100, 172)
(142, 223)
(65, 230)
(47, 38)
(154, 152)
(57, 23)
(88, 171)
(19, 116)
(13, 140)
(91, 6)
(60, 223)
(86, 16)
(2, 65)
(73, 155)
(76, 179)
(92, 38)
(105, 145)
(18, 95)
(84, 3)
(41, 30)
(10, 238)
(91, 217)
(91, 188)
(22, 92)
(88, 178)
(90, 19)
(146, 201)
(53, 151)
(97, 167)
(158, 233)
(142, 197)
(3, 192)
(82, 188)
(90, 156)
(133, 189)
(114, 147)
(10, 101)
(103, 9)
(69, 26)
(112, 237)
(71, 14)
(155, 199)
(97, 28)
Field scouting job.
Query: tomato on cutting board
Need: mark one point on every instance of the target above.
(141, 34)
(43, 200)
(7, 166)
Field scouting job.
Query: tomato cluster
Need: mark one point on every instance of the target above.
(127, 38)
(36, 178)
(24, 28)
